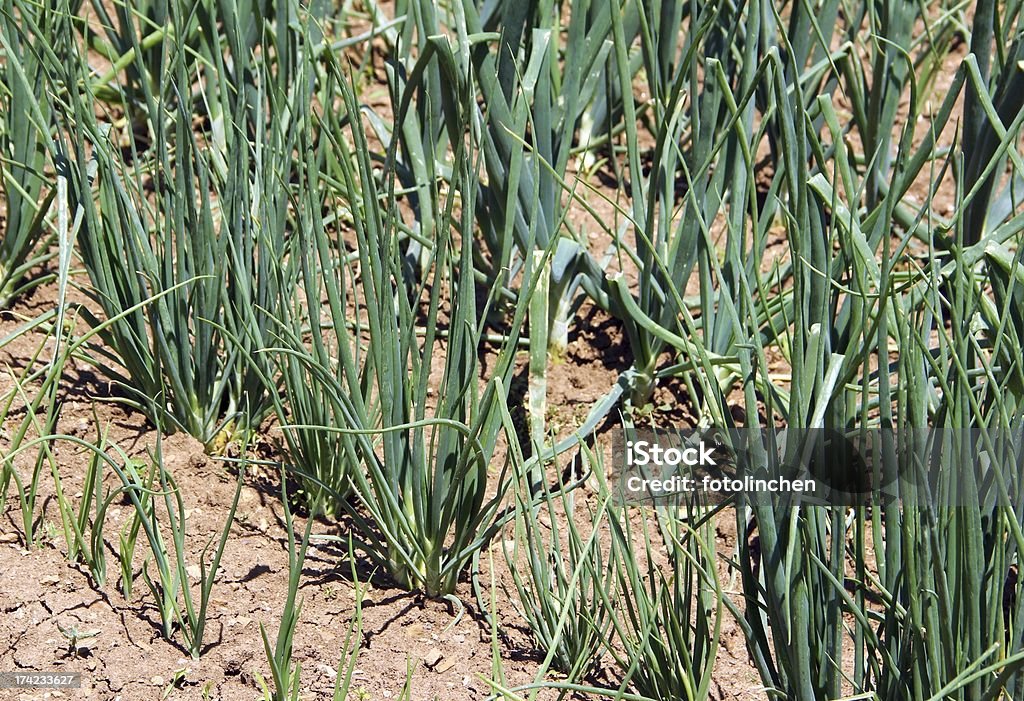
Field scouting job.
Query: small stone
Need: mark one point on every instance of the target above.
(194, 572)
(156, 681)
(433, 658)
(8, 537)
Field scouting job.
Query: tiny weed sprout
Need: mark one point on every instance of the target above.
(75, 637)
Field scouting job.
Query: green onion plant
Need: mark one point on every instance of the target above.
(208, 208)
(26, 158)
(568, 576)
(860, 293)
(287, 676)
(409, 463)
(171, 589)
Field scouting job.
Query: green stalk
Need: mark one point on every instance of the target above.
(538, 318)
(286, 676)
(26, 190)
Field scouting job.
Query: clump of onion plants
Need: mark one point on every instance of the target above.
(387, 415)
(168, 202)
